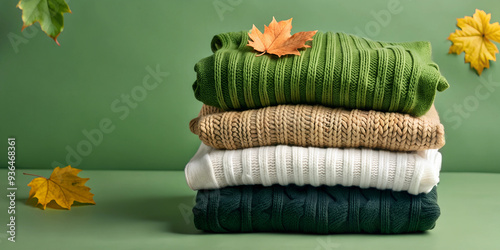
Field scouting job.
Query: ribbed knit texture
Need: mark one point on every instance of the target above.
(339, 70)
(320, 210)
(415, 172)
(317, 126)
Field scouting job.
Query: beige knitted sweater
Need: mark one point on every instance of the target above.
(317, 126)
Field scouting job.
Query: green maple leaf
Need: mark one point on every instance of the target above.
(49, 13)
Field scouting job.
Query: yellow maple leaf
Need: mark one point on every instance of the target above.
(475, 38)
(63, 186)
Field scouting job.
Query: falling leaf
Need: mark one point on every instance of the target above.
(49, 13)
(475, 38)
(277, 39)
(63, 186)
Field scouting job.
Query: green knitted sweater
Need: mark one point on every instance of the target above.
(308, 209)
(339, 70)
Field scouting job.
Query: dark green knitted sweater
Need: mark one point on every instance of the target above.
(308, 209)
(339, 70)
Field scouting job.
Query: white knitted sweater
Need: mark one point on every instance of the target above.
(415, 172)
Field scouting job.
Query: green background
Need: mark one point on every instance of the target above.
(50, 94)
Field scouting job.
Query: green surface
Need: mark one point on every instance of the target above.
(50, 94)
(151, 210)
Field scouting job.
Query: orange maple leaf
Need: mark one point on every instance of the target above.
(63, 186)
(474, 39)
(278, 40)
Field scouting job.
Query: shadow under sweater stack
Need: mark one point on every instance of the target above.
(341, 139)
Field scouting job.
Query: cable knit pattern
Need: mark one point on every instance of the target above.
(415, 172)
(317, 126)
(339, 70)
(309, 209)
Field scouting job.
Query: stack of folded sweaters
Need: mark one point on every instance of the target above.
(342, 138)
